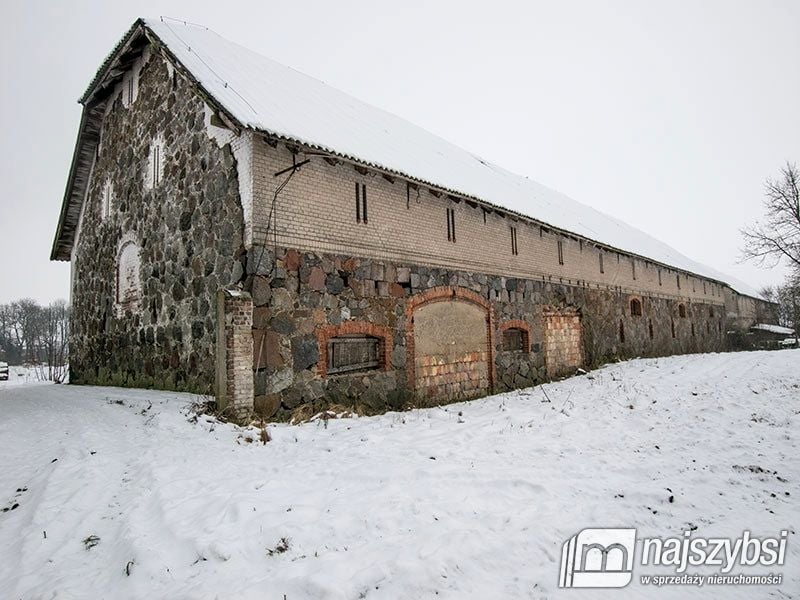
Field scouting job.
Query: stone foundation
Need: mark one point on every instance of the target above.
(303, 299)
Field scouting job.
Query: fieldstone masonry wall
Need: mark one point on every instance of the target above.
(188, 232)
(302, 298)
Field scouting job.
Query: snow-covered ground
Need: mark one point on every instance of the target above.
(119, 494)
(19, 375)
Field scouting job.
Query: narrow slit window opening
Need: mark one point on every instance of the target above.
(361, 203)
(451, 225)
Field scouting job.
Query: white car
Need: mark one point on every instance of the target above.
(4, 371)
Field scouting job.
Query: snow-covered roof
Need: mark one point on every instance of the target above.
(773, 328)
(267, 96)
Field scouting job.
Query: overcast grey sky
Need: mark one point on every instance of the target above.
(668, 115)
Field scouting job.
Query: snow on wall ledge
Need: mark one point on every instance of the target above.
(267, 96)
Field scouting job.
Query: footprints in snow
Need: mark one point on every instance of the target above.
(14, 504)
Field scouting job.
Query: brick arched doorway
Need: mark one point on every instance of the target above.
(449, 349)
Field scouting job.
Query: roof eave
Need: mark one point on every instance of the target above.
(484, 203)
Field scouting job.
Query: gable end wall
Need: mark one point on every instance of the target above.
(189, 230)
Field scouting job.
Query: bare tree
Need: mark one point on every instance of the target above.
(769, 293)
(53, 333)
(25, 324)
(7, 349)
(37, 336)
(778, 236)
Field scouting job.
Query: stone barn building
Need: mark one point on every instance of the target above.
(237, 228)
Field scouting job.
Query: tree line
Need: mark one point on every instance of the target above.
(36, 335)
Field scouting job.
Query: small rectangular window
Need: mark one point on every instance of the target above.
(514, 249)
(515, 340)
(633, 268)
(659, 277)
(602, 267)
(451, 225)
(704, 288)
(361, 203)
(560, 252)
(353, 354)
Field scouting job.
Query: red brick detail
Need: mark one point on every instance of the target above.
(443, 294)
(353, 328)
(518, 324)
(563, 343)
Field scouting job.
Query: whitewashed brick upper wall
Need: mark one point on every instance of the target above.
(316, 211)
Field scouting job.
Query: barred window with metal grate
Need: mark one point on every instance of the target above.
(357, 353)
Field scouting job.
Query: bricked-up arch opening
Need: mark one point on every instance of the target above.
(127, 275)
(516, 336)
(449, 346)
(353, 346)
(682, 311)
(636, 307)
